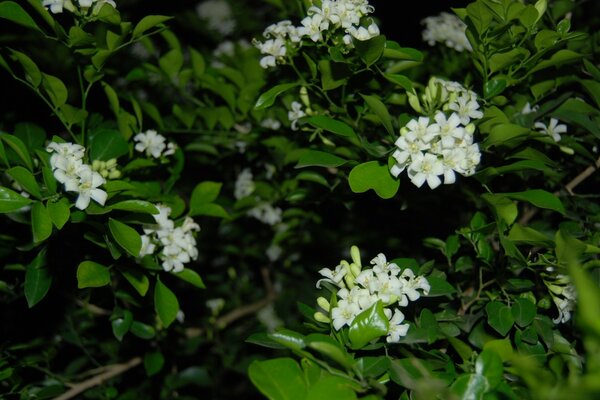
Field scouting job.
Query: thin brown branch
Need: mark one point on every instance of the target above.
(110, 371)
(252, 308)
(573, 183)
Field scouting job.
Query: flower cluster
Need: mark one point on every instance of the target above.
(70, 170)
(153, 144)
(320, 24)
(218, 15)
(564, 296)
(440, 146)
(448, 29)
(177, 243)
(262, 211)
(57, 6)
(359, 289)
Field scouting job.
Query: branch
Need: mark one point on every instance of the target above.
(110, 372)
(583, 175)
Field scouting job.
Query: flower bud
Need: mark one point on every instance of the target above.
(544, 303)
(323, 303)
(304, 96)
(355, 269)
(114, 174)
(413, 100)
(355, 254)
(470, 128)
(319, 316)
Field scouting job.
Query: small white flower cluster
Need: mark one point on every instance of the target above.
(263, 211)
(57, 6)
(227, 50)
(448, 29)
(218, 15)
(564, 296)
(428, 148)
(331, 16)
(178, 245)
(153, 144)
(70, 170)
(553, 129)
(360, 288)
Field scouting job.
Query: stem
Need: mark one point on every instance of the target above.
(110, 371)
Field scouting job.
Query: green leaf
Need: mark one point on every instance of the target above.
(141, 206)
(524, 234)
(506, 134)
(191, 276)
(439, 287)
(92, 274)
(290, 339)
(494, 87)
(372, 175)
(316, 158)
(137, 278)
(539, 198)
(329, 347)
(331, 125)
(56, 90)
(505, 209)
(489, 364)
(11, 201)
(127, 237)
(370, 50)
(333, 74)
(41, 223)
(121, 325)
(332, 387)
(13, 12)
(470, 386)
(205, 192)
(368, 325)
(267, 99)
(165, 303)
(38, 279)
(401, 80)
(153, 362)
(499, 61)
(171, 63)
(148, 22)
(33, 74)
(26, 179)
(380, 110)
(524, 311)
(59, 212)
(278, 379)
(105, 144)
(32, 135)
(141, 330)
(499, 317)
(18, 147)
(560, 57)
(210, 209)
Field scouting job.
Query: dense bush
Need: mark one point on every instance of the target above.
(295, 200)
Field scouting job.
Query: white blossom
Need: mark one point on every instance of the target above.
(295, 114)
(553, 129)
(244, 184)
(218, 15)
(448, 29)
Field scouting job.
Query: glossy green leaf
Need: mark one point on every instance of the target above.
(147, 23)
(32, 72)
(401, 80)
(329, 347)
(11, 201)
(38, 279)
(59, 212)
(316, 158)
(369, 325)
(267, 99)
(499, 317)
(92, 274)
(171, 63)
(26, 179)
(210, 210)
(141, 330)
(205, 192)
(439, 287)
(105, 144)
(373, 366)
(19, 148)
(331, 125)
(32, 135)
(470, 386)
(127, 237)
(499, 61)
(14, 12)
(395, 52)
(136, 278)
(41, 223)
(121, 325)
(539, 198)
(370, 50)
(140, 206)
(165, 303)
(333, 74)
(506, 134)
(56, 90)
(278, 379)
(560, 57)
(380, 110)
(153, 362)
(524, 234)
(489, 364)
(191, 276)
(375, 176)
(504, 208)
(332, 387)
(288, 338)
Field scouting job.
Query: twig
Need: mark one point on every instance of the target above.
(463, 309)
(242, 311)
(110, 372)
(583, 175)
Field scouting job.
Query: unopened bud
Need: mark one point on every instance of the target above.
(413, 100)
(323, 303)
(304, 96)
(355, 254)
(567, 150)
(319, 316)
(114, 174)
(470, 128)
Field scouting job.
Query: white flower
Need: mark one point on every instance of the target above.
(274, 49)
(268, 317)
(344, 314)
(266, 213)
(334, 276)
(244, 184)
(397, 328)
(448, 29)
(527, 109)
(450, 129)
(270, 123)
(553, 129)
(381, 266)
(426, 168)
(218, 15)
(466, 107)
(215, 305)
(295, 114)
(55, 6)
(150, 142)
(274, 252)
(147, 246)
(313, 26)
(87, 188)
